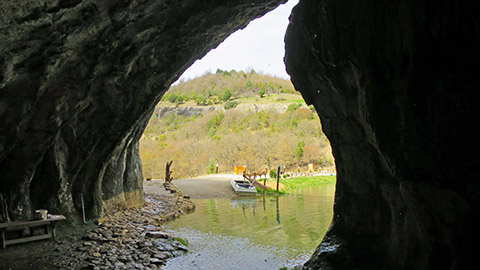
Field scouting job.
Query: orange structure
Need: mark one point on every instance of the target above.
(239, 169)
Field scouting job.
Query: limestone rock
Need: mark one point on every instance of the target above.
(79, 81)
(396, 95)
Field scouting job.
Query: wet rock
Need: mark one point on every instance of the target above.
(390, 89)
(158, 234)
(136, 244)
(162, 255)
(156, 261)
(182, 248)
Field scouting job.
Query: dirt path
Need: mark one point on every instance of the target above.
(209, 186)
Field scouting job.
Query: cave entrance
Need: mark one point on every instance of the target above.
(226, 112)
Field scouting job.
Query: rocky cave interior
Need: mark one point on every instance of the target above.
(394, 85)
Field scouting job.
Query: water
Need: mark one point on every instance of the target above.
(254, 233)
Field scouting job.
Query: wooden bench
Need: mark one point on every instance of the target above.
(48, 225)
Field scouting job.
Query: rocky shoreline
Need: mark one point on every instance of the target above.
(129, 239)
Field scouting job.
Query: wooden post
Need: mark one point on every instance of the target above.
(3, 238)
(216, 169)
(83, 208)
(266, 173)
(278, 176)
(3, 209)
(168, 172)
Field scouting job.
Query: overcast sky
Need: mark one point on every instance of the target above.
(259, 46)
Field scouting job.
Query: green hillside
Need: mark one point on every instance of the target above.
(284, 131)
(224, 86)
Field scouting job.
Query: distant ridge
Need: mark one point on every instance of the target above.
(224, 86)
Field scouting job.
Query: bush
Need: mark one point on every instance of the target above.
(178, 100)
(230, 104)
(261, 93)
(293, 107)
(273, 174)
(226, 94)
(201, 101)
(170, 97)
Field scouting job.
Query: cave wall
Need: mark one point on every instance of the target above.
(79, 80)
(395, 86)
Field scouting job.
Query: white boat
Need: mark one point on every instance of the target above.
(243, 187)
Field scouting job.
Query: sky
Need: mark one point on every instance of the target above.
(259, 46)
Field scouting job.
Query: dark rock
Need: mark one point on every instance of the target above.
(397, 96)
(395, 86)
(158, 234)
(156, 261)
(78, 85)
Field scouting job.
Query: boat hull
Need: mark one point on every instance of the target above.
(243, 187)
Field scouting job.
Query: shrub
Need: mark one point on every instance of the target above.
(178, 100)
(226, 94)
(261, 93)
(230, 104)
(293, 107)
(273, 174)
(170, 97)
(201, 101)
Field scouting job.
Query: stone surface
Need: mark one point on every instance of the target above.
(395, 87)
(394, 84)
(158, 234)
(79, 80)
(118, 242)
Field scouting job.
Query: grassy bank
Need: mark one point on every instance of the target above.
(298, 183)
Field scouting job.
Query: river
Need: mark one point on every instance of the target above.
(264, 232)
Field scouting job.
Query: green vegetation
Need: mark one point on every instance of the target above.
(211, 166)
(230, 104)
(269, 191)
(232, 134)
(295, 183)
(181, 240)
(225, 85)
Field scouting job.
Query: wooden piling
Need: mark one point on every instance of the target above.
(278, 176)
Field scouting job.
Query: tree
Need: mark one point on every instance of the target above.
(170, 97)
(299, 150)
(178, 100)
(211, 166)
(226, 94)
(261, 93)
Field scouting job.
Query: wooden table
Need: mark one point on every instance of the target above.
(48, 225)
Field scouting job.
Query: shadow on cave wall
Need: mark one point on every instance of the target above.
(392, 83)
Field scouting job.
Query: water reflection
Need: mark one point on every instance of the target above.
(271, 231)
